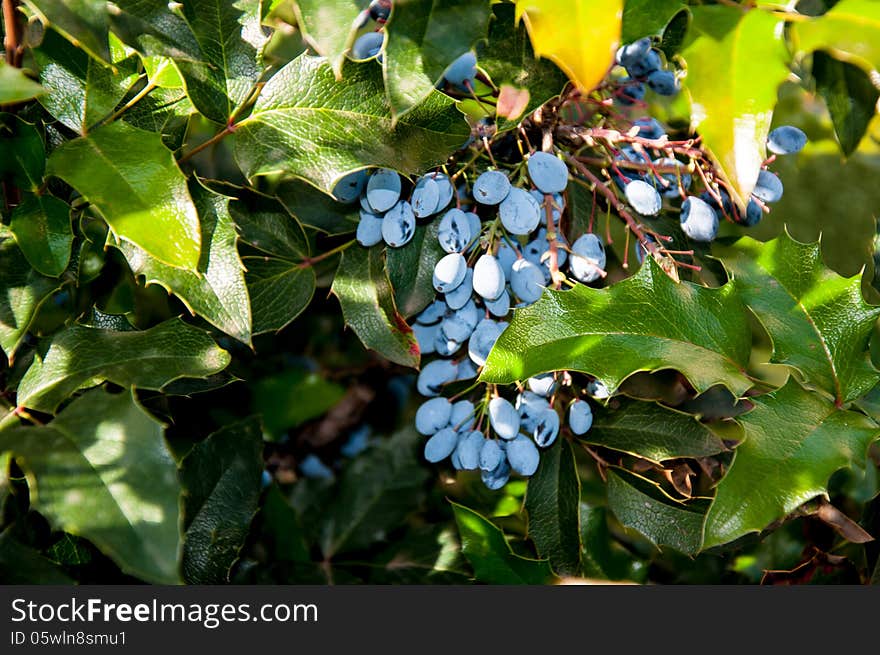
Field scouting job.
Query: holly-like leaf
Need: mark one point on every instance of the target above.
(491, 557)
(552, 501)
(279, 290)
(101, 470)
(221, 493)
(82, 22)
(216, 291)
(647, 17)
(22, 291)
(367, 301)
(164, 111)
(423, 38)
(15, 86)
(20, 564)
(294, 127)
(264, 223)
(745, 50)
(818, 321)
(329, 26)
(154, 211)
(850, 31)
(24, 155)
(850, 95)
(80, 357)
(645, 323)
(651, 431)
(317, 209)
(411, 270)
(643, 506)
(601, 558)
(41, 225)
(794, 441)
(560, 28)
(216, 45)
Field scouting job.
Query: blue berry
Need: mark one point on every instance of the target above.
(433, 415)
(497, 478)
(357, 442)
(489, 278)
(462, 71)
(587, 260)
(399, 225)
(643, 66)
(433, 313)
(454, 232)
(460, 295)
(383, 189)
(449, 272)
(434, 375)
(369, 229)
(349, 188)
(663, 83)
(426, 336)
(698, 220)
(482, 340)
(491, 188)
(380, 10)
(441, 445)
(506, 255)
(632, 52)
(768, 187)
(520, 213)
(530, 405)
(523, 455)
(526, 281)
(754, 214)
(367, 45)
(643, 198)
(786, 140)
(548, 173)
(504, 418)
(470, 444)
(546, 427)
(580, 417)
(649, 128)
(425, 197)
(672, 191)
(630, 92)
(491, 455)
(462, 417)
(499, 307)
(312, 467)
(455, 329)
(726, 206)
(543, 385)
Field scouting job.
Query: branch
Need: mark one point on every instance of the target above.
(12, 29)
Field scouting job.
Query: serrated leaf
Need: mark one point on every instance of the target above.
(216, 291)
(491, 557)
(22, 291)
(79, 357)
(317, 209)
(643, 506)
(850, 95)
(367, 299)
(850, 31)
(101, 470)
(165, 111)
(644, 323)
(651, 431)
(154, 211)
(329, 26)
(216, 45)
(422, 38)
(221, 493)
(411, 270)
(647, 17)
(279, 290)
(21, 564)
(24, 155)
(818, 321)
(294, 126)
(600, 557)
(559, 28)
(82, 22)
(264, 223)
(41, 225)
(15, 86)
(746, 50)
(552, 501)
(794, 441)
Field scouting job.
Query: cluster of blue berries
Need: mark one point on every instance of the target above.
(644, 67)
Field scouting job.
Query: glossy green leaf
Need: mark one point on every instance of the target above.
(818, 320)
(80, 357)
(101, 470)
(489, 554)
(41, 225)
(651, 431)
(422, 38)
(735, 62)
(133, 180)
(647, 17)
(22, 291)
(21, 564)
(329, 26)
(279, 290)
(643, 506)
(850, 31)
(292, 397)
(221, 493)
(850, 95)
(411, 270)
(15, 86)
(645, 323)
(316, 208)
(264, 223)
(216, 291)
(24, 155)
(294, 127)
(601, 558)
(794, 441)
(164, 111)
(552, 501)
(367, 299)
(82, 22)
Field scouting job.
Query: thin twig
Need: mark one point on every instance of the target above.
(12, 29)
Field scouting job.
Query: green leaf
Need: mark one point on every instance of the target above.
(280, 291)
(264, 223)
(41, 225)
(644, 323)
(850, 95)
(559, 28)
(22, 291)
(20, 564)
(153, 211)
(24, 153)
(216, 45)
(367, 299)
(491, 557)
(651, 431)
(422, 38)
(101, 470)
(221, 493)
(217, 290)
(643, 506)
(850, 32)
(411, 270)
(164, 111)
(79, 357)
(287, 400)
(329, 26)
(817, 320)
(647, 17)
(82, 22)
(601, 558)
(288, 544)
(794, 441)
(745, 49)
(552, 500)
(15, 86)
(316, 208)
(294, 127)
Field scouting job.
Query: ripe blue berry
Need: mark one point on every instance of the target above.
(433, 313)
(433, 415)
(630, 92)
(548, 173)
(399, 225)
(520, 213)
(441, 445)
(526, 281)
(470, 444)
(673, 190)
(462, 417)
(497, 478)
(482, 340)
(499, 307)
(426, 336)
(489, 278)
(768, 187)
(643, 66)
(434, 375)
(491, 188)
(367, 45)
(754, 214)
(649, 128)
(588, 260)
(462, 71)
(425, 197)
(643, 198)
(380, 9)
(369, 229)
(698, 220)
(523, 455)
(491, 455)
(546, 427)
(786, 140)
(449, 272)
(454, 232)
(460, 295)
(663, 83)
(383, 189)
(349, 188)
(580, 417)
(503, 418)
(543, 385)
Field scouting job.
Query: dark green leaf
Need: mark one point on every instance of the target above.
(645, 323)
(552, 504)
(164, 111)
(647, 17)
(488, 552)
(329, 26)
(288, 543)
(317, 209)
(367, 299)
(294, 127)
(264, 223)
(15, 86)
(279, 290)
(82, 22)
(133, 180)
(411, 270)
(102, 471)
(80, 357)
(41, 225)
(20, 564)
(601, 558)
(24, 155)
(428, 554)
(292, 397)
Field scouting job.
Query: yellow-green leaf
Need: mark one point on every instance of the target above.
(850, 31)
